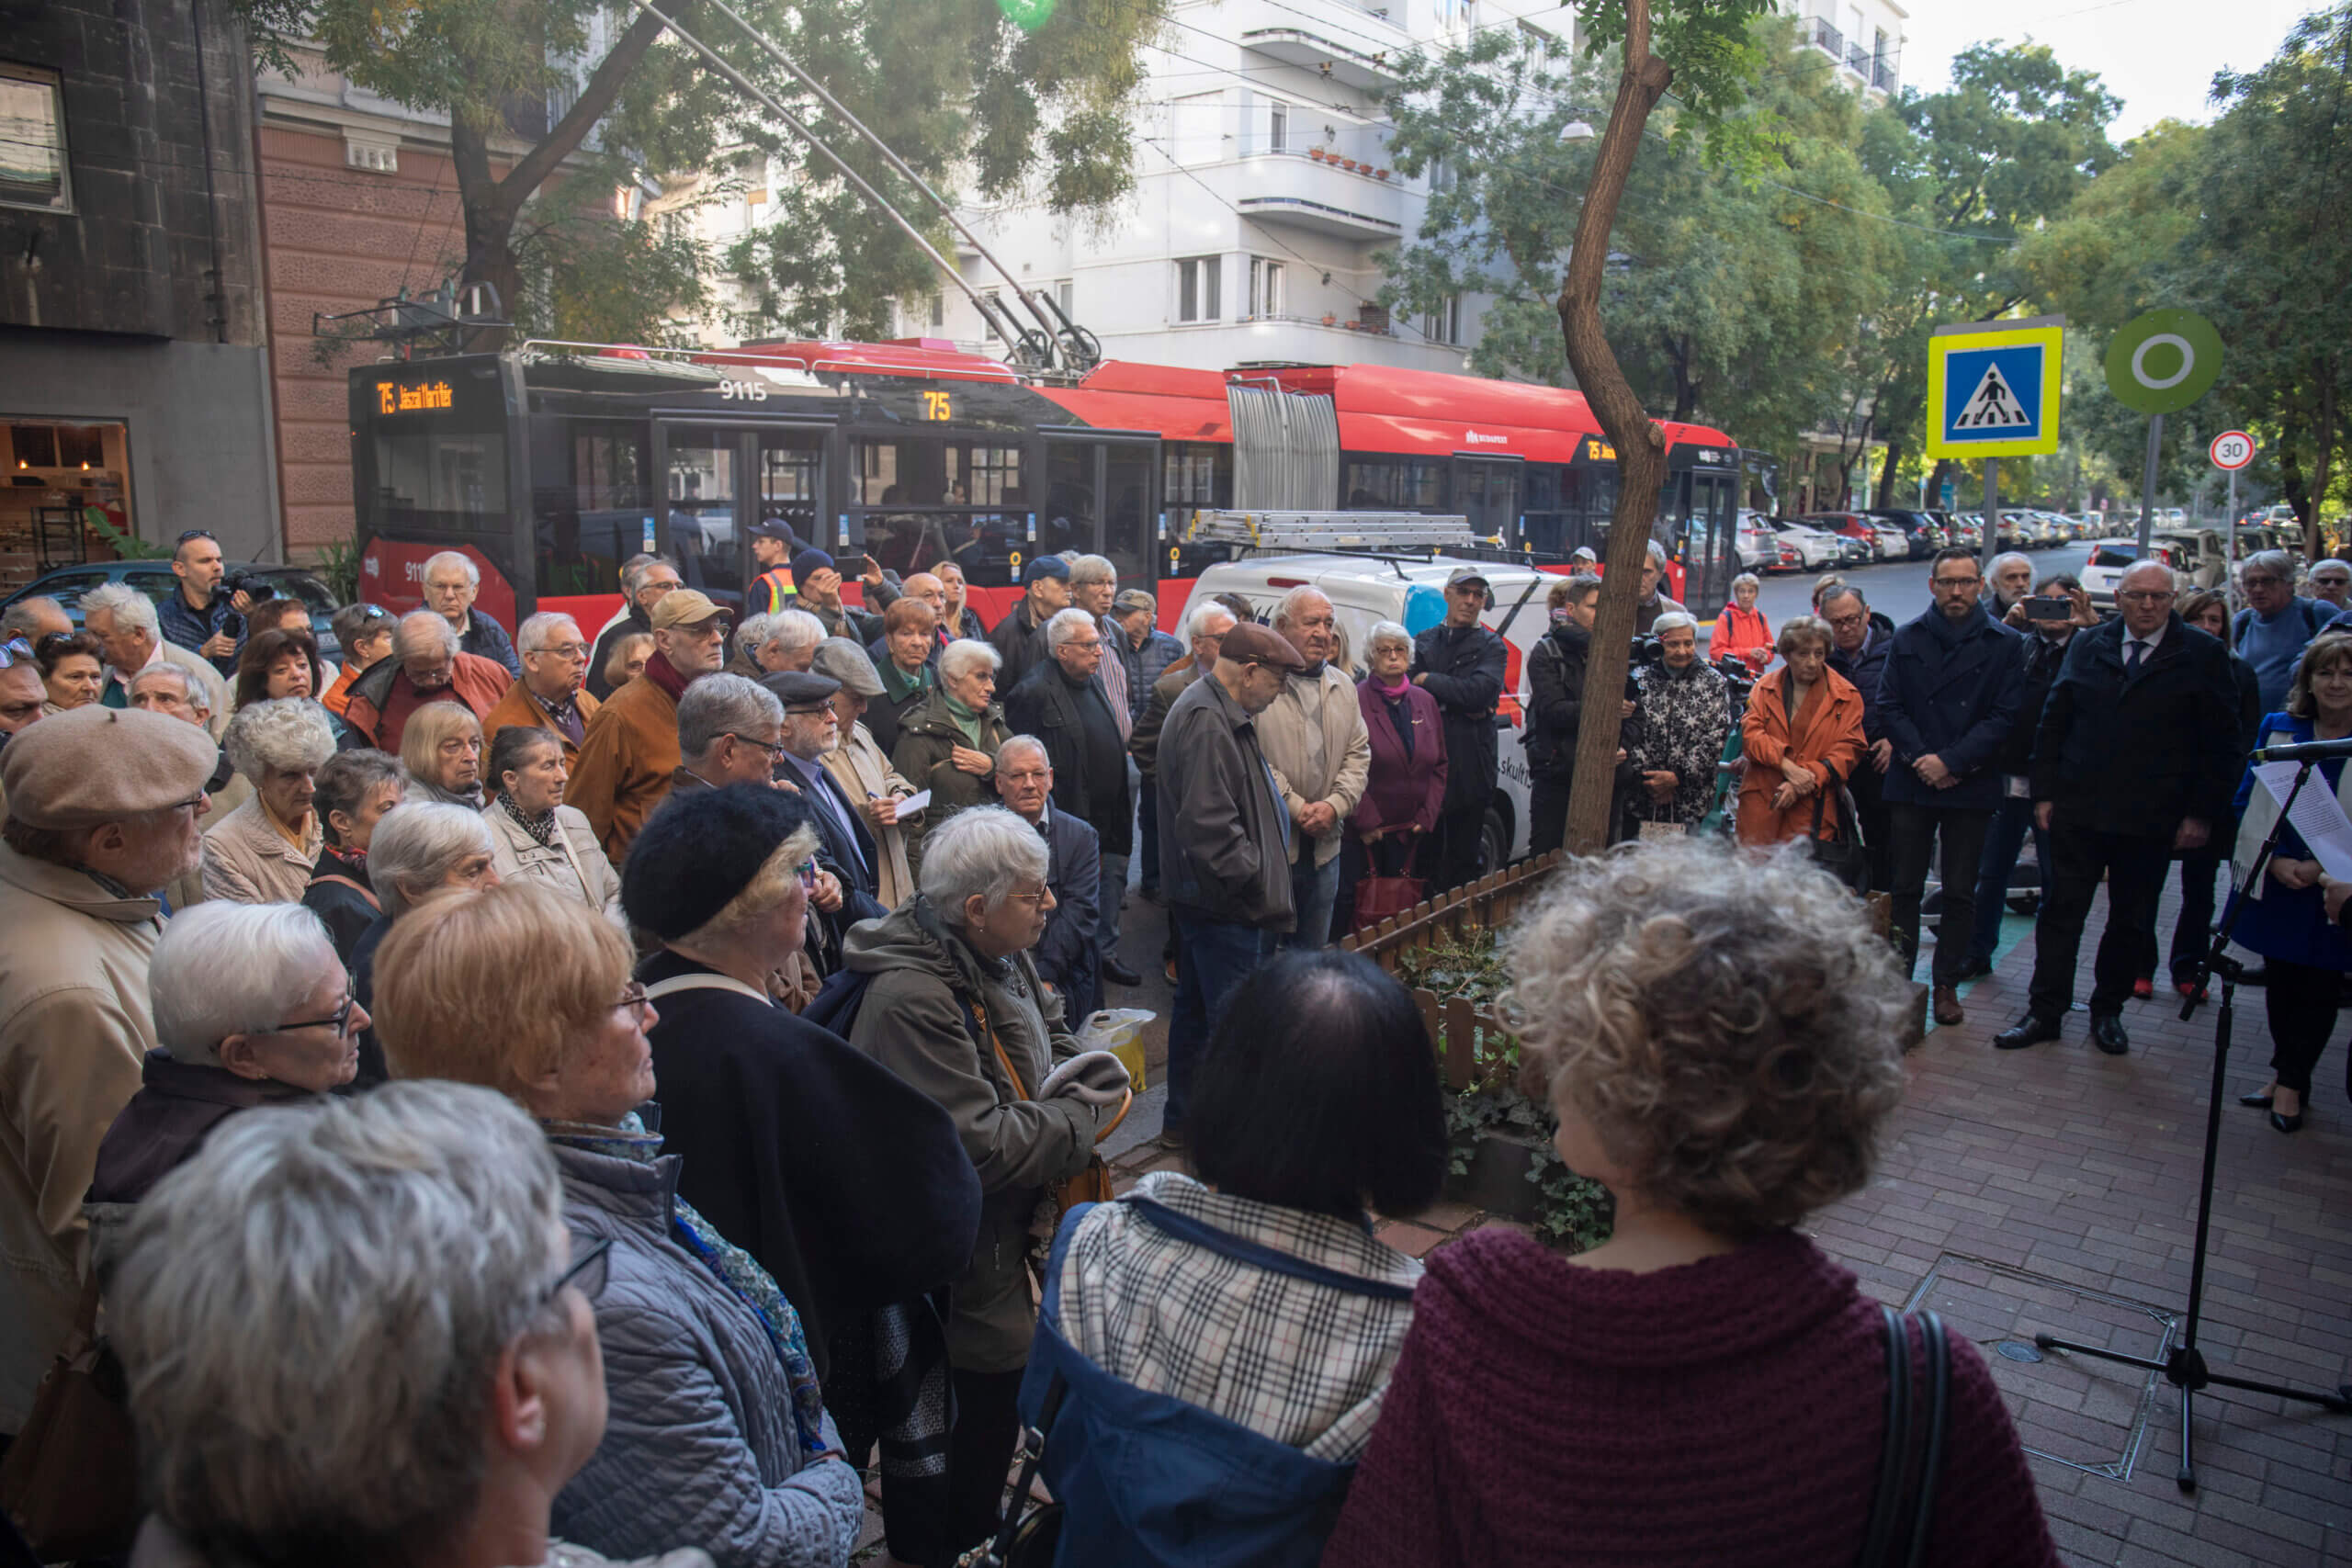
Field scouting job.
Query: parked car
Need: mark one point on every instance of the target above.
(1758, 547)
(1882, 544)
(1817, 548)
(1923, 534)
(2109, 558)
(155, 579)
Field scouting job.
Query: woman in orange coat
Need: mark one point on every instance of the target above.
(1804, 721)
(1742, 629)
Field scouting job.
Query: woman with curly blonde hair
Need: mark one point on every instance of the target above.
(1718, 1036)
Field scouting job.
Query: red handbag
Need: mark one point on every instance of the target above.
(1379, 897)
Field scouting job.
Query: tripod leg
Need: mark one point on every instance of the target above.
(2185, 1477)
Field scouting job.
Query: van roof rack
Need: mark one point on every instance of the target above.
(1329, 530)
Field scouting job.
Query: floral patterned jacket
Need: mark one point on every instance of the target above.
(1686, 719)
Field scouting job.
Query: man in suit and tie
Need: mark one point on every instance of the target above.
(1069, 956)
(2135, 762)
(812, 731)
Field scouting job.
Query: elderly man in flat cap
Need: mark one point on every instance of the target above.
(104, 806)
(812, 732)
(863, 771)
(631, 753)
(1224, 840)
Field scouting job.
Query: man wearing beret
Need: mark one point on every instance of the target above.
(1224, 840)
(1020, 637)
(104, 806)
(629, 754)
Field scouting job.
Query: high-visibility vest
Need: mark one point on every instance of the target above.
(779, 582)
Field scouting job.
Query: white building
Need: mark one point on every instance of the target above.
(1263, 190)
(1864, 36)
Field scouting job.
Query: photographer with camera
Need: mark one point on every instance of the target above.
(206, 616)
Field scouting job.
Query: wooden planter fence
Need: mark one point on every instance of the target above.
(1469, 1038)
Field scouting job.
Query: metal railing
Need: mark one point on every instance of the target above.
(1827, 36)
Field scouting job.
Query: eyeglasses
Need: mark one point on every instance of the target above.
(807, 872)
(774, 748)
(1954, 582)
(2148, 595)
(591, 1267)
(341, 1017)
(565, 649)
(14, 650)
(1037, 897)
(199, 533)
(633, 997)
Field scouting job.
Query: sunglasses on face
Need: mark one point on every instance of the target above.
(199, 533)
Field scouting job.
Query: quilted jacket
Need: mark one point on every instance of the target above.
(699, 1445)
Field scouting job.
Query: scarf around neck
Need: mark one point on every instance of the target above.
(541, 828)
(965, 719)
(664, 674)
(734, 1267)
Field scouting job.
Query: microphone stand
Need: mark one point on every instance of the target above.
(2185, 1368)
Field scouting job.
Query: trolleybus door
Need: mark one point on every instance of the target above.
(1100, 500)
(1488, 491)
(710, 478)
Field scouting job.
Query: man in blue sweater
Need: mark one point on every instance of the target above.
(2271, 630)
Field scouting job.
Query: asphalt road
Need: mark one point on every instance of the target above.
(1897, 588)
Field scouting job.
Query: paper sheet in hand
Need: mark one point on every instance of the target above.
(2318, 816)
(910, 805)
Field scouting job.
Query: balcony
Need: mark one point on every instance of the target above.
(1857, 60)
(1882, 75)
(1322, 195)
(1828, 38)
(1346, 48)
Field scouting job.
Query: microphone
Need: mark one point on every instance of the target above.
(2309, 752)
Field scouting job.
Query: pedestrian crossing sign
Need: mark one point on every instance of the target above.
(1993, 388)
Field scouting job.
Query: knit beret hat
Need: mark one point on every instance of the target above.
(810, 561)
(701, 849)
(95, 765)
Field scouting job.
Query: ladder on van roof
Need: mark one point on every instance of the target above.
(1314, 531)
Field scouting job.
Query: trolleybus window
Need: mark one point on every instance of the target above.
(922, 500)
(441, 482)
(1393, 484)
(592, 508)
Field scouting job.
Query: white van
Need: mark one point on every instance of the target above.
(1365, 590)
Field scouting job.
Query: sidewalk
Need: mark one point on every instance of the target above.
(2054, 1190)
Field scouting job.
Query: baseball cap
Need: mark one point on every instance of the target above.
(1248, 643)
(684, 607)
(1048, 566)
(1134, 599)
(774, 529)
(1462, 574)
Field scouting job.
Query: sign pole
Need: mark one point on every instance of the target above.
(1991, 545)
(2229, 572)
(2148, 482)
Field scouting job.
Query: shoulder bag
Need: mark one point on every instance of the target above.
(70, 1482)
(1903, 1504)
(1843, 857)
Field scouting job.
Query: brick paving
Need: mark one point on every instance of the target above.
(2054, 1190)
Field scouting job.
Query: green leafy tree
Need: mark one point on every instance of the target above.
(2009, 145)
(955, 86)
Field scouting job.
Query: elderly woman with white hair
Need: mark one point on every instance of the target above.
(1741, 627)
(947, 742)
(416, 851)
(1686, 719)
(252, 1008)
(955, 1006)
(441, 749)
(262, 853)
(418, 1233)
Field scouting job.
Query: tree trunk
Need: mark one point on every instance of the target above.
(1640, 444)
(2323, 458)
(1886, 475)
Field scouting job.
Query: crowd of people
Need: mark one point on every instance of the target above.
(628, 1118)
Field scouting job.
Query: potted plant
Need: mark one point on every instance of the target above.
(1349, 165)
(1316, 153)
(1329, 320)
(1380, 173)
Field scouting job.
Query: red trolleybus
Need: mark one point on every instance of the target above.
(552, 464)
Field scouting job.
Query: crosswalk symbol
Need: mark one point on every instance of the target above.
(1993, 406)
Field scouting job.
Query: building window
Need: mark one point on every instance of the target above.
(1444, 323)
(988, 316)
(1196, 288)
(938, 309)
(1265, 287)
(1277, 128)
(1066, 295)
(32, 140)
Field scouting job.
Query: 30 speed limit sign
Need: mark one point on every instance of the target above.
(2233, 450)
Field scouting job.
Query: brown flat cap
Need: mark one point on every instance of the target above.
(684, 607)
(95, 765)
(1249, 643)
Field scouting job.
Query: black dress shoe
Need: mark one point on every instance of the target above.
(2031, 1029)
(1119, 973)
(2106, 1033)
(2286, 1123)
(2258, 1102)
(1978, 968)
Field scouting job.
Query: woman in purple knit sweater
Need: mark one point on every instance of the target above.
(1718, 1036)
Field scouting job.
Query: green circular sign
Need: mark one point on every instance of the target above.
(1026, 14)
(2162, 361)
